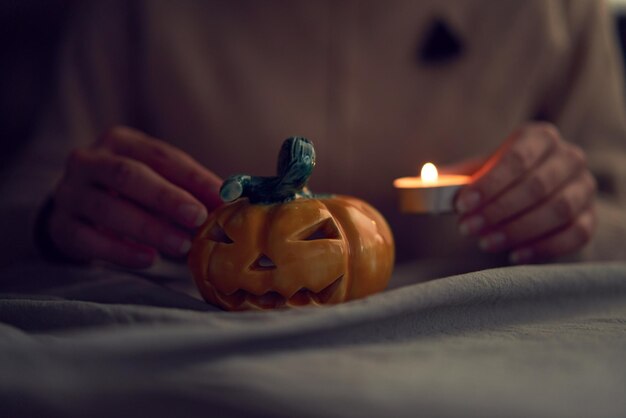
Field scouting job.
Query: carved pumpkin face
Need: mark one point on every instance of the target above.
(309, 251)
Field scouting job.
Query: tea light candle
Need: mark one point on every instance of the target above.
(429, 193)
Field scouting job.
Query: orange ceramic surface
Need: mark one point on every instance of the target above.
(307, 251)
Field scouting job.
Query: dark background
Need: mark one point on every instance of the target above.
(30, 34)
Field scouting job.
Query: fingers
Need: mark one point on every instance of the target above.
(562, 164)
(97, 207)
(562, 209)
(166, 160)
(129, 197)
(531, 196)
(137, 182)
(84, 242)
(564, 241)
(523, 151)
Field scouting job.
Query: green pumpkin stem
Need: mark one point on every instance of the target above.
(296, 161)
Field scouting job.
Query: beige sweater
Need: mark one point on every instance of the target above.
(227, 81)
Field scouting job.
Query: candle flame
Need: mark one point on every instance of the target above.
(429, 173)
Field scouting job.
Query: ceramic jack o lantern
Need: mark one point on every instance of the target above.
(274, 244)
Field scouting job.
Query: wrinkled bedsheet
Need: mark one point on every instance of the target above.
(543, 341)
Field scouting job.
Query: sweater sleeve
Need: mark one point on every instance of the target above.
(586, 101)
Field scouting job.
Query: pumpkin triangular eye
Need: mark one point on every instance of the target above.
(326, 229)
(217, 234)
(263, 262)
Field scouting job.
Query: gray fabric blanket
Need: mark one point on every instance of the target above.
(542, 341)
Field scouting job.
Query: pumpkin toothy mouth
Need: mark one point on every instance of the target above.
(244, 299)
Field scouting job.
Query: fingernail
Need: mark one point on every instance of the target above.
(192, 214)
(492, 241)
(521, 256)
(177, 244)
(467, 201)
(472, 225)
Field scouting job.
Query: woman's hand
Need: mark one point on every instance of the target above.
(128, 198)
(533, 198)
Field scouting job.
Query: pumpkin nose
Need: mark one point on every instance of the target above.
(263, 262)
